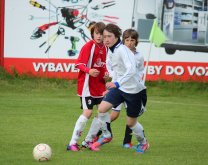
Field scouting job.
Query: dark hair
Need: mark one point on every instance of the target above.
(130, 33)
(112, 28)
(99, 26)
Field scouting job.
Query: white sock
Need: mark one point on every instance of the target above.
(94, 128)
(103, 119)
(78, 129)
(138, 131)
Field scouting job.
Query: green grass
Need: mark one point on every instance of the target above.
(36, 110)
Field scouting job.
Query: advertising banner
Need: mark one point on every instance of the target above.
(44, 37)
(51, 31)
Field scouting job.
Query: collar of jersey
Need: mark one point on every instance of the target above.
(116, 45)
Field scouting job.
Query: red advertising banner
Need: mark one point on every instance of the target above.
(62, 68)
(177, 71)
(57, 68)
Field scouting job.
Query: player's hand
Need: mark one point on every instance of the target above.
(106, 76)
(94, 72)
(110, 85)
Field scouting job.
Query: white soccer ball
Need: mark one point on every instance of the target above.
(42, 152)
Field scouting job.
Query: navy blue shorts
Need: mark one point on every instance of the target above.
(134, 102)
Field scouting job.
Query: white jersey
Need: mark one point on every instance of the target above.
(123, 68)
(139, 65)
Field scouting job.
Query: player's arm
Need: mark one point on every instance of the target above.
(91, 71)
(83, 59)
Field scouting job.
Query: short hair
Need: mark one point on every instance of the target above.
(112, 28)
(131, 33)
(99, 26)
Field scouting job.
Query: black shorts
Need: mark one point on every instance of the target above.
(89, 102)
(144, 101)
(135, 102)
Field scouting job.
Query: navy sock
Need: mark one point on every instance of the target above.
(128, 135)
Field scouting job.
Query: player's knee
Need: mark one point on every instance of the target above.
(87, 113)
(131, 121)
(104, 107)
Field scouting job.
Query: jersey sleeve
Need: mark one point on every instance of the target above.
(84, 55)
(83, 68)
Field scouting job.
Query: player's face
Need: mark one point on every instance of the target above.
(97, 36)
(109, 38)
(130, 43)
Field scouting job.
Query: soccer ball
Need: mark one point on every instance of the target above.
(42, 152)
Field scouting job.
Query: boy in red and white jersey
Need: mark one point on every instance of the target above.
(91, 81)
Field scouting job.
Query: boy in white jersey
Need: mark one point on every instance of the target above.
(125, 86)
(130, 38)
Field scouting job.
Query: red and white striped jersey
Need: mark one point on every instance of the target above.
(92, 55)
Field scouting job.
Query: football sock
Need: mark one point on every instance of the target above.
(78, 129)
(94, 129)
(128, 135)
(104, 119)
(138, 131)
(109, 128)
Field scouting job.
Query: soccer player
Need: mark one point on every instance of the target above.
(130, 38)
(91, 81)
(126, 86)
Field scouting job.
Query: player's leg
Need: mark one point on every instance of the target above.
(138, 132)
(127, 138)
(128, 135)
(128, 132)
(80, 123)
(106, 118)
(97, 128)
(94, 129)
(134, 108)
(143, 145)
(113, 116)
(106, 130)
(115, 112)
(96, 125)
(112, 98)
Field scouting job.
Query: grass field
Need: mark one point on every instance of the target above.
(39, 110)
